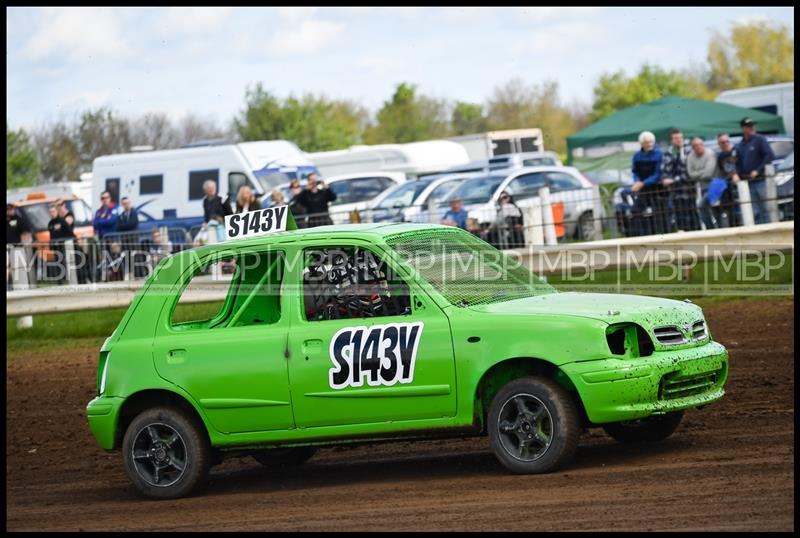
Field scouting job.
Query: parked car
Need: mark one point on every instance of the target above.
(350, 334)
(409, 202)
(353, 191)
(501, 162)
(782, 146)
(481, 194)
(600, 177)
(784, 181)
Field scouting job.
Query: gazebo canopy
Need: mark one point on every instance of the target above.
(692, 116)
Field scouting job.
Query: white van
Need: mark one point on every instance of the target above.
(166, 186)
(773, 98)
(412, 159)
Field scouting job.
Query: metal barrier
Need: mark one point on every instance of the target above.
(572, 216)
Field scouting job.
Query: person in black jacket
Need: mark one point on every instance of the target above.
(16, 230)
(315, 200)
(60, 230)
(127, 223)
(212, 204)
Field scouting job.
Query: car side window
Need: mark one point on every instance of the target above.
(559, 181)
(252, 281)
(527, 185)
(351, 282)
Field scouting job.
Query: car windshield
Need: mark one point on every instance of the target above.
(81, 211)
(539, 161)
(403, 195)
(476, 190)
(465, 269)
(37, 215)
(442, 191)
(788, 162)
(270, 180)
(781, 148)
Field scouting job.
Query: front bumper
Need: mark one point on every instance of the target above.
(103, 415)
(615, 390)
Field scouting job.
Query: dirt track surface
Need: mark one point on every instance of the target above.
(729, 466)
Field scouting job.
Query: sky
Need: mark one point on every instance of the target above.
(61, 61)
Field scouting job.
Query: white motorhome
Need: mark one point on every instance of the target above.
(773, 98)
(412, 159)
(483, 146)
(166, 186)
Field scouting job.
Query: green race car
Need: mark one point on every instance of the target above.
(371, 332)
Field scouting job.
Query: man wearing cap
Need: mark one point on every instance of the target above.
(456, 215)
(754, 154)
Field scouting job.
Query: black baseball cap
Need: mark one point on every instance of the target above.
(746, 121)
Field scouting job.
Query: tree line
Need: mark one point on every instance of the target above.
(750, 54)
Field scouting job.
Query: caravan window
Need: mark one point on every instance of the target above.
(153, 184)
(196, 180)
(112, 187)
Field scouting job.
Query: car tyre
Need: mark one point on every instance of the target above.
(533, 425)
(166, 453)
(647, 430)
(285, 457)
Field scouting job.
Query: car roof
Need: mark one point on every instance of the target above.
(335, 231)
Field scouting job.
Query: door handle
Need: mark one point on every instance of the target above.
(311, 347)
(176, 356)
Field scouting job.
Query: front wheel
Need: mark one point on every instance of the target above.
(533, 425)
(646, 430)
(166, 453)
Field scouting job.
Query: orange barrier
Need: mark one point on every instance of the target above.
(558, 219)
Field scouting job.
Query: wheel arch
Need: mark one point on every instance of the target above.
(509, 369)
(146, 399)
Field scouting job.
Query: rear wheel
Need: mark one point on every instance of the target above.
(646, 430)
(533, 425)
(284, 457)
(166, 453)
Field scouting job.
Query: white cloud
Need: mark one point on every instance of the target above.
(192, 20)
(93, 99)
(296, 13)
(540, 14)
(308, 37)
(563, 37)
(77, 35)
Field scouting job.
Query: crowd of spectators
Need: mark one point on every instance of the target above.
(683, 189)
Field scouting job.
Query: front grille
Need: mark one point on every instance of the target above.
(674, 386)
(699, 330)
(669, 335)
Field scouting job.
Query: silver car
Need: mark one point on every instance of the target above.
(480, 195)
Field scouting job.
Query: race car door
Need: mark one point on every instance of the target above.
(231, 357)
(365, 346)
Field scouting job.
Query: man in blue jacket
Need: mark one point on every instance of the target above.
(754, 153)
(105, 218)
(651, 206)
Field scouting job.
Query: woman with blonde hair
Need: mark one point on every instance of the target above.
(277, 198)
(246, 200)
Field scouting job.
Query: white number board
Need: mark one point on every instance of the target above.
(256, 223)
